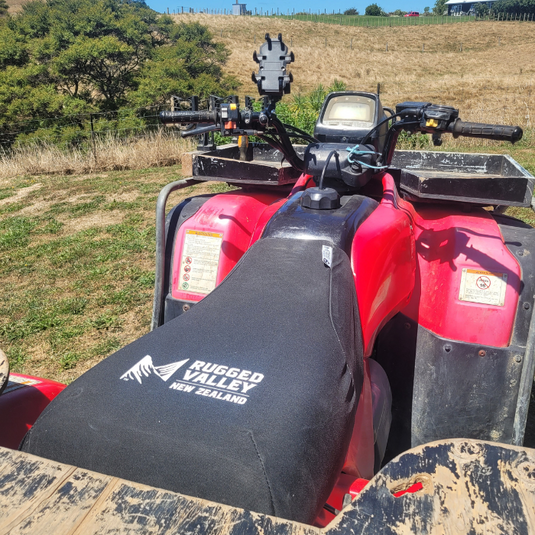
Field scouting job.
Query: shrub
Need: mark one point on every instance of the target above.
(373, 10)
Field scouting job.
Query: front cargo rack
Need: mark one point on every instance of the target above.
(266, 166)
(484, 179)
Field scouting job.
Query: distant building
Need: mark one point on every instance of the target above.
(239, 9)
(466, 7)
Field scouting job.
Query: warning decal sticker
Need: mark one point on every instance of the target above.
(483, 287)
(200, 261)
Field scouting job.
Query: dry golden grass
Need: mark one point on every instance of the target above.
(155, 150)
(491, 80)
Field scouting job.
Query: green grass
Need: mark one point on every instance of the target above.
(371, 22)
(77, 274)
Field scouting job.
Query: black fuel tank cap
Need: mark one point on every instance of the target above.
(320, 199)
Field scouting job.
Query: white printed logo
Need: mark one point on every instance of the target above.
(145, 367)
(201, 378)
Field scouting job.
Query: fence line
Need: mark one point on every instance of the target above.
(363, 20)
(75, 129)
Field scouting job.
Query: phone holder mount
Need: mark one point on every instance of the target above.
(273, 80)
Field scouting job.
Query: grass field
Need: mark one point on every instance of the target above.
(371, 22)
(491, 79)
(77, 266)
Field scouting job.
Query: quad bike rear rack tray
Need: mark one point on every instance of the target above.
(485, 179)
(467, 486)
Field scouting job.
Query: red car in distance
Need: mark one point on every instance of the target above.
(412, 14)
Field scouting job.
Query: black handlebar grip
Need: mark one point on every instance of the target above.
(187, 117)
(488, 131)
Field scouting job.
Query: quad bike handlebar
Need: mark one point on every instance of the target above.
(372, 145)
(496, 132)
(188, 117)
(434, 119)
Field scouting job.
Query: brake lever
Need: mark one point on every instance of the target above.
(199, 131)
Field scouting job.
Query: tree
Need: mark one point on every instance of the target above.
(373, 10)
(399, 13)
(426, 11)
(65, 57)
(440, 7)
(482, 9)
(302, 109)
(350, 11)
(514, 6)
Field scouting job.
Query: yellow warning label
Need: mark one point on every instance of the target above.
(203, 233)
(484, 287)
(200, 261)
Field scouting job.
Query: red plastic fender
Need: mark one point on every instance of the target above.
(384, 263)
(21, 403)
(448, 243)
(229, 217)
(346, 484)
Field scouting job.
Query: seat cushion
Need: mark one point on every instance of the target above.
(248, 399)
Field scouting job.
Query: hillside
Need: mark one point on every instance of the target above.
(491, 79)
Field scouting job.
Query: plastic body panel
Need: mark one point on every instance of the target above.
(384, 264)
(448, 241)
(21, 404)
(293, 221)
(454, 365)
(232, 215)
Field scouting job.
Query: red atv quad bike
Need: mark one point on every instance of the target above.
(348, 313)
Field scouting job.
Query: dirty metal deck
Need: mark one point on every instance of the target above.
(468, 487)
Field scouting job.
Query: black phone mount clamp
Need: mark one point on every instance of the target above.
(273, 80)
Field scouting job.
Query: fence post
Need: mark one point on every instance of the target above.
(93, 138)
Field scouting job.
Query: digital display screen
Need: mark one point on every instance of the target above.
(349, 109)
(346, 111)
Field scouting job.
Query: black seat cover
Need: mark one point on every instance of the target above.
(248, 399)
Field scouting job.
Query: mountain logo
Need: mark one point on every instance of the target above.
(145, 368)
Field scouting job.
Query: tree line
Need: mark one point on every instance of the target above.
(61, 58)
